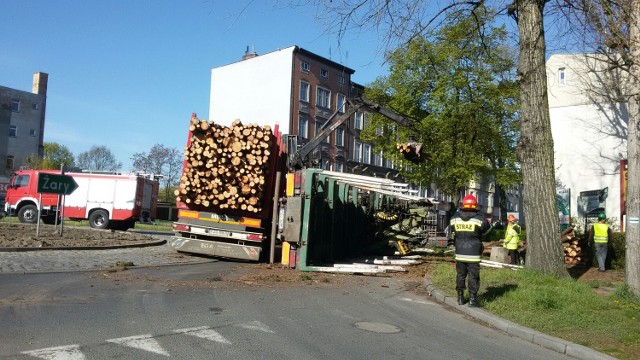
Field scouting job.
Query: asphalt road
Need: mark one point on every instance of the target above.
(202, 311)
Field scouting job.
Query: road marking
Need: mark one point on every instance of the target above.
(256, 325)
(142, 342)
(204, 332)
(67, 352)
(145, 342)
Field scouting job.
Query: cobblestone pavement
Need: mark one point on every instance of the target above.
(82, 260)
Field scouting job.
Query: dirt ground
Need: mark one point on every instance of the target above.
(13, 235)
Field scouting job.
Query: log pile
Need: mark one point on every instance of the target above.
(573, 247)
(226, 167)
(411, 151)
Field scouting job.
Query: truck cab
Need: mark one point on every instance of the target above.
(22, 198)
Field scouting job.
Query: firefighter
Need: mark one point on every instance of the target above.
(601, 234)
(467, 228)
(512, 239)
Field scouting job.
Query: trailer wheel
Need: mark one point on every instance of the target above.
(28, 214)
(99, 219)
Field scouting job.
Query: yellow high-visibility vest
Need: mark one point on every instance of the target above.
(600, 233)
(511, 237)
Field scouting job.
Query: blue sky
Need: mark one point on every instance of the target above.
(127, 74)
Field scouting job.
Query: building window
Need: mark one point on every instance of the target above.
(318, 129)
(324, 73)
(302, 127)
(357, 151)
(9, 162)
(391, 165)
(366, 154)
(304, 91)
(304, 66)
(359, 120)
(323, 99)
(339, 167)
(15, 105)
(35, 106)
(340, 136)
(341, 79)
(562, 77)
(13, 131)
(32, 132)
(377, 158)
(342, 100)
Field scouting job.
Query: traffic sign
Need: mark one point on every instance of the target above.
(56, 184)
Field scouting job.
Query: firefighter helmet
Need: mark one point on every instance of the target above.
(469, 202)
(601, 216)
(511, 217)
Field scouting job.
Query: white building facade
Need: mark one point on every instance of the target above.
(588, 122)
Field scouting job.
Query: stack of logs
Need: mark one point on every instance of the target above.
(226, 167)
(572, 246)
(411, 151)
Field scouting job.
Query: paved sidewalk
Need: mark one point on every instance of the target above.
(83, 260)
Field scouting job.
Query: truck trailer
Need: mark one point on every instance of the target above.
(106, 200)
(245, 187)
(226, 192)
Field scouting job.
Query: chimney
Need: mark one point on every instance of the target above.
(249, 55)
(40, 80)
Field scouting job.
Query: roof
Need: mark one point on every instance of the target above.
(297, 49)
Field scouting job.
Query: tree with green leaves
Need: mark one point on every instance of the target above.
(398, 22)
(457, 86)
(54, 156)
(98, 158)
(161, 160)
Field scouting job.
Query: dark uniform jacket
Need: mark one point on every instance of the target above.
(468, 228)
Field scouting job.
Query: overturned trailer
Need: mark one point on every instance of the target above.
(330, 217)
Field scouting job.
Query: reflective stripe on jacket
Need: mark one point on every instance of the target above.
(600, 233)
(512, 236)
(468, 227)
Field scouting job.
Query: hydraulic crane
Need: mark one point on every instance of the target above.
(297, 157)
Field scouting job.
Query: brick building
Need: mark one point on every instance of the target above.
(298, 90)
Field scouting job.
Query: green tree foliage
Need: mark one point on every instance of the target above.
(98, 158)
(161, 160)
(456, 85)
(55, 155)
(399, 22)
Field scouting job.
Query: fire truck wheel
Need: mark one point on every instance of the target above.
(99, 219)
(28, 214)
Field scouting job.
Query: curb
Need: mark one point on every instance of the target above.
(108, 247)
(519, 331)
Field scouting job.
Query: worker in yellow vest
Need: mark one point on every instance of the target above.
(512, 239)
(600, 233)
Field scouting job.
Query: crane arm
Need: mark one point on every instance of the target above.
(296, 160)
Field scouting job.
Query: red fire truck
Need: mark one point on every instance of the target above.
(111, 200)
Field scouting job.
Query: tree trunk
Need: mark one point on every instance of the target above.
(632, 256)
(535, 148)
